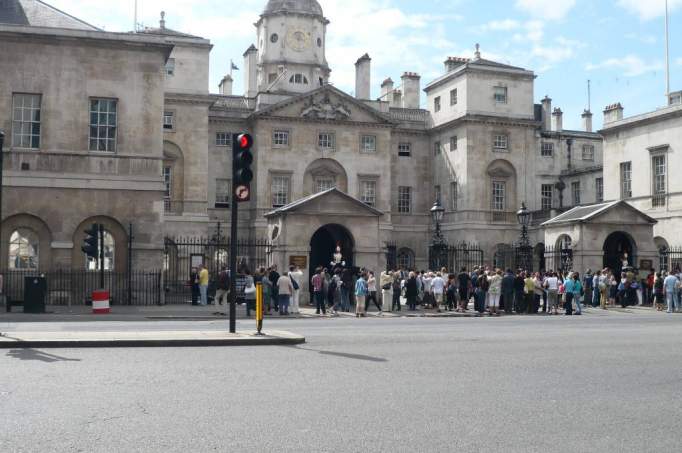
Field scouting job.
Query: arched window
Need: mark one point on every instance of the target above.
(405, 259)
(92, 264)
(23, 249)
(298, 79)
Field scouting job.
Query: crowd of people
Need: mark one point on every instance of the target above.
(491, 291)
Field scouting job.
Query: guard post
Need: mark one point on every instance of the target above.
(259, 308)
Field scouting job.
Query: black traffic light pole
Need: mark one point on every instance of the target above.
(241, 188)
(233, 260)
(2, 142)
(101, 256)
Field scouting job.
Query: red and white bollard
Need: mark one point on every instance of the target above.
(100, 302)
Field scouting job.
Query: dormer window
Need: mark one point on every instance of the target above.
(298, 79)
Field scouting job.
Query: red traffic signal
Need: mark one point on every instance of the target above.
(244, 141)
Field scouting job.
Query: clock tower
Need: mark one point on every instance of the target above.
(291, 47)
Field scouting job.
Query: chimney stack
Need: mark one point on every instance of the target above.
(547, 114)
(411, 90)
(386, 90)
(558, 120)
(587, 121)
(251, 72)
(453, 63)
(613, 112)
(396, 98)
(225, 87)
(362, 77)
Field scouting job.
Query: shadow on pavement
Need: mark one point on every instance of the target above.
(32, 354)
(344, 355)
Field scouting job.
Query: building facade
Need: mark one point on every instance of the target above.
(121, 127)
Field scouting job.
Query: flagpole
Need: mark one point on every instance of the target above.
(667, 55)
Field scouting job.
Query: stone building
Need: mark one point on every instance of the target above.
(121, 127)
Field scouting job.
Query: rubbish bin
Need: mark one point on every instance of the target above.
(35, 292)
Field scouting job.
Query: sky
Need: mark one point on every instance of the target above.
(619, 45)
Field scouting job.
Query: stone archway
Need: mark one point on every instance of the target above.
(324, 242)
(619, 249)
(37, 227)
(118, 234)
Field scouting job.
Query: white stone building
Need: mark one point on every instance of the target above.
(642, 155)
(330, 168)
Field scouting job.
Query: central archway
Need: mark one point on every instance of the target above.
(619, 247)
(324, 242)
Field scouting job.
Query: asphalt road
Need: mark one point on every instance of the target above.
(603, 383)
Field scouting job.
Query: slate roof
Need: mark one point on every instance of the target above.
(36, 13)
(581, 214)
(167, 32)
(298, 203)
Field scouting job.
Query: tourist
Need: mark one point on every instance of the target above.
(372, 292)
(194, 285)
(397, 291)
(596, 289)
(464, 284)
(496, 290)
(386, 282)
(249, 292)
(481, 292)
(568, 286)
(296, 277)
(223, 288)
(613, 288)
(659, 292)
(529, 293)
(203, 284)
(360, 295)
(267, 289)
(538, 294)
(274, 278)
(411, 291)
(284, 291)
(438, 289)
(671, 285)
(507, 288)
(426, 295)
(519, 292)
(604, 288)
(578, 292)
(346, 287)
(551, 284)
(588, 286)
(451, 293)
(317, 283)
(335, 288)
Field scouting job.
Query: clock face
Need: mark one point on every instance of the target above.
(298, 39)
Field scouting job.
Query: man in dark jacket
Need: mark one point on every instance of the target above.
(508, 291)
(464, 281)
(274, 277)
(519, 294)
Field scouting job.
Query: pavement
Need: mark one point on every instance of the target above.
(606, 382)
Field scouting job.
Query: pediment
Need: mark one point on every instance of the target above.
(325, 104)
(618, 212)
(332, 201)
(623, 214)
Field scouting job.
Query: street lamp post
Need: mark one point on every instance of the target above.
(523, 216)
(438, 258)
(2, 142)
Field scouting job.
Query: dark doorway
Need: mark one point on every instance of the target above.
(324, 243)
(619, 248)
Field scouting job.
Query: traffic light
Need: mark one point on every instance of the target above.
(91, 243)
(242, 158)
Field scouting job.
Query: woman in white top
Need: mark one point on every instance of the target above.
(372, 292)
(495, 291)
(438, 288)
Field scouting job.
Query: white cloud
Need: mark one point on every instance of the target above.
(649, 9)
(630, 65)
(546, 9)
(500, 25)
